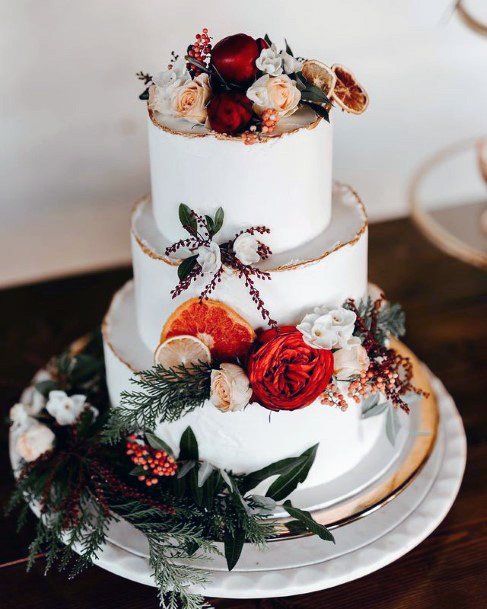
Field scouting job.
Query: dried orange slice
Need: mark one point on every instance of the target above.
(348, 92)
(227, 335)
(319, 75)
(182, 350)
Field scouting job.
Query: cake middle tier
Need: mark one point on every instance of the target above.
(283, 182)
(326, 271)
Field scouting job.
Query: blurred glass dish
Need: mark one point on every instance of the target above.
(448, 200)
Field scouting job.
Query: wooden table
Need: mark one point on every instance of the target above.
(445, 301)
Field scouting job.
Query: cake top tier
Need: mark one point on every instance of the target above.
(244, 87)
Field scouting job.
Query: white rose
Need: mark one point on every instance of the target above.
(277, 92)
(327, 327)
(246, 248)
(165, 85)
(65, 409)
(230, 388)
(34, 442)
(289, 63)
(32, 400)
(351, 359)
(269, 61)
(189, 100)
(209, 258)
(19, 416)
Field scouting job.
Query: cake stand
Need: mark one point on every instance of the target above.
(370, 540)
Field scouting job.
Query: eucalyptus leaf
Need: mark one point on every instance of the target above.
(393, 425)
(229, 481)
(265, 503)
(188, 446)
(287, 482)
(288, 49)
(186, 266)
(45, 387)
(314, 94)
(187, 219)
(158, 444)
(144, 96)
(210, 224)
(320, 110)
(308, 522)
(372, 406)
(268, 40)
(218, 221)
(233, 543)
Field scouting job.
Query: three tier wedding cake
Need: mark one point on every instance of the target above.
(249, 375)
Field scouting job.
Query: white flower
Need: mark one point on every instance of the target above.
(230, 388)
(289, 63)
(327, 327)
(19, 416)
(269, 61)
(277, 92)
(34, 442)
(209, 258)
(190, 99)
(246, 248)
(65, 409)
(351, 359)
(165, 85)
(32, 400)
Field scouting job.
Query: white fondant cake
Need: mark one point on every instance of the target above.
(252, 438)
(283, 182)
(327, 270)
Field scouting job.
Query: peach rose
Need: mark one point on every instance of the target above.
(189, 101)
(230, 390)
(277, 92)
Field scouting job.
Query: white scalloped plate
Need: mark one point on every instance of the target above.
(307, 564)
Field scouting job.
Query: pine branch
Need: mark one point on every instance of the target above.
(168, 394)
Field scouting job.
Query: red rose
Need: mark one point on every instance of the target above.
(229, 112)
(234, 58)
(285, 373)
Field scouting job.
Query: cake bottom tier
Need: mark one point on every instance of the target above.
(250, 439)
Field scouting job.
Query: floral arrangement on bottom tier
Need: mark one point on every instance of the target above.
(84, 466)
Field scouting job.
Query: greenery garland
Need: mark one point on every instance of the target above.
(84, 482)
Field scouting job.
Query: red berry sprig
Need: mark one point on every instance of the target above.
(199, 50)
(155, 463)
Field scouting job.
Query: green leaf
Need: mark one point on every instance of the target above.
(268, 40)
(186, 266)
(187, 219)
(186, 467)
(288, 49)
(199, 64)
(188, 446)
(307, 521)
(158, 443)
(314, 94)
(251, 480)
(233, 543)
(320, 111)
(144, 96)
(138, 471)
(372, 406)
(218, 222)
(393, 425)
(287, 482)
(210, 224)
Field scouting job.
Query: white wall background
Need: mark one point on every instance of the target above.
(73, 152)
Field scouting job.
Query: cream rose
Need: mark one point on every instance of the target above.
(269, 61)
(246, 248)
(209, 258)
(328, 327)
(350, 360)
(65, 409)
(34, 442)
(189, 101)
(165, 85)
(277, 92)
(230, 389)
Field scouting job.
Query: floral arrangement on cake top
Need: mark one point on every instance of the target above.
(242, 85)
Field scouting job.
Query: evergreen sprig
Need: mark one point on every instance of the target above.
(383, 318)
(166, 394)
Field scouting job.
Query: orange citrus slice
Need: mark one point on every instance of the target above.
(227, 335)
(319, 75)
(348, 92)
(182, 350)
